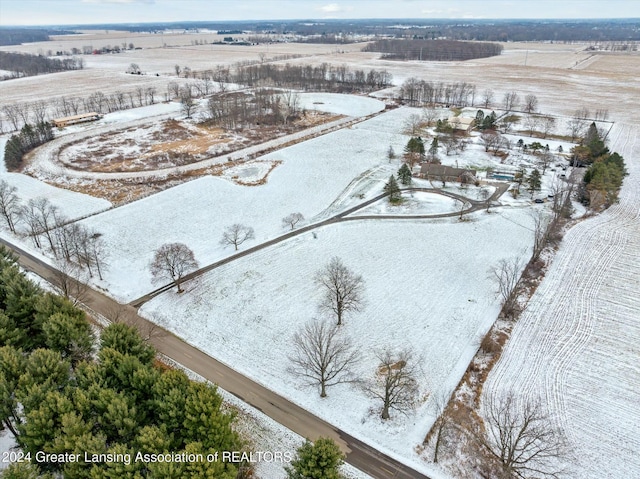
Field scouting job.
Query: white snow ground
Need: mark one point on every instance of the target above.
(427, 288)
(196, 213)
(576, 345)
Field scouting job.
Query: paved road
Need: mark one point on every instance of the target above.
(346, 215)
(276, 407)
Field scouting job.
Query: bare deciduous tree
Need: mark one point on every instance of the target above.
(531, 122)
(172, 261)
(576, 127)
(507, 277)
(413, 125)
(540, 233)
(441, 424)
(487, 98)
(395, 382)
(343, 290)
(323, 355)
(530, 103)
(236, 235)
(292, 220)
(548, 123)
(70, 281)
(10, 207)
(430, 116)
(521, 440)
(510, 101)
(490, 140)
(187, 101)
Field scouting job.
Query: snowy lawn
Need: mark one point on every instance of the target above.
(72, 205)
(312, 175)
(427, 288)
(350, 105)
(414, 203)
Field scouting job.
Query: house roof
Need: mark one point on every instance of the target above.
(432, 169)
(77, 117)
(462, 122)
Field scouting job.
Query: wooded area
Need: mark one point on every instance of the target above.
(433, 50)
(24, 65)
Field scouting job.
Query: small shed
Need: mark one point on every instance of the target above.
(76, 119)
(462, 123)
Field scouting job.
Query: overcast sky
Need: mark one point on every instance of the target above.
(55, 12)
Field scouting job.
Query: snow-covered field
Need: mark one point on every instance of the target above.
(576, 346)
(196, 213)
(427, 285)
(427, 288)
(72, 205)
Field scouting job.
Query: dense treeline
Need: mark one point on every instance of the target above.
(415, 92)
(30, 137)
(433, 50)
(603, 178)
(323, 77)
(16, 36)
(23, 65)
(60, 396)
(477, 29)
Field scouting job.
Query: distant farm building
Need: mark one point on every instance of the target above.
(432, 171)
(76, 119)
(460, 123)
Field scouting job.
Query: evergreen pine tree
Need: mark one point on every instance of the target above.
(320, 460)
(392, 189)
(404, 174)
(535, 182)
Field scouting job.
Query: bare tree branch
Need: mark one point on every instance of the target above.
(343, 290)
(395, 382)
(322, 355)
(236, 235)
(521, 440)
(171, 262)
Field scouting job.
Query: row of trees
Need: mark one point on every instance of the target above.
(42, 222)
(323, 77)
(433, 50)
(24, 64)
(30, 137)
(60, 396)
(18, 114)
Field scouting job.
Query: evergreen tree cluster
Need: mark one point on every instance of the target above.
(29, 138)
(604, 177)
(320, 460)
(486, 122)
(60, 396)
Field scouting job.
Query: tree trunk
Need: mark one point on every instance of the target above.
(385, 411)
